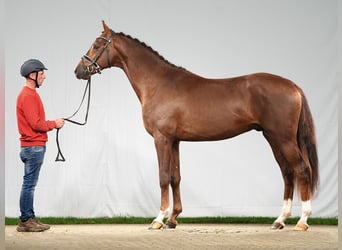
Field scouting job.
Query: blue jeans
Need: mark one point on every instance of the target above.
(32, 157)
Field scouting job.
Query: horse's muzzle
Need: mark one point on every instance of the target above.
(82, 72)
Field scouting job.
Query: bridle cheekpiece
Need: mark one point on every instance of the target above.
(93, 62)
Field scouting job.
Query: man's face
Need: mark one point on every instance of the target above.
(40, 77)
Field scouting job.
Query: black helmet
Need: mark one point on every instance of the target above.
(31, 65)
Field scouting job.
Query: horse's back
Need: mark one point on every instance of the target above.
(265, 81)
(267, 97)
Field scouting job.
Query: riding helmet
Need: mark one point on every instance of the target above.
(31, 65)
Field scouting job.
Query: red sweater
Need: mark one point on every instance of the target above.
(31, 121)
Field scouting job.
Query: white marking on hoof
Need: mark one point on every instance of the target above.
(302, 224)
(158, 223)
(285, 213)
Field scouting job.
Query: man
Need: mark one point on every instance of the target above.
(33, 128)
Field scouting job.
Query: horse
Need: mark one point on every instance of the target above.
(178, 105)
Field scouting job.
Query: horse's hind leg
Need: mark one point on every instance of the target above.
(302, 224)
(302, 174)
(285, 156)
(293, 168)
(304, 180)
(285, 213)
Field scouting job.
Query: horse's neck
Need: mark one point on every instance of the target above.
(140, 65)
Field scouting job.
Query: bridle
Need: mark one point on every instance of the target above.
(93, 63)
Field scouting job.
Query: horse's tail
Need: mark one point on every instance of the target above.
(307, 143)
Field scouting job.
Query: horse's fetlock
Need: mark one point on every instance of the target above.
(307, 212)
(287, 214)
(177, 210)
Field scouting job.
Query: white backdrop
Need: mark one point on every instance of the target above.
(111, 166)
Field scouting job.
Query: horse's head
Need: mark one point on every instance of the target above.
(97, 58)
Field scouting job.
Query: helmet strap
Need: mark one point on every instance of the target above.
(35, 80)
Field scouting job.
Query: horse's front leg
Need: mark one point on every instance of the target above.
(175, 184)
(163, 147)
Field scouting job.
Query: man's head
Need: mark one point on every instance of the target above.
(33, 69)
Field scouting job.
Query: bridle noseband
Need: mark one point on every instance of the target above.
(93, 62)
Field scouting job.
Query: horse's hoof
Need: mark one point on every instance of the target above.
(170, 225)
(277, 225)
(301, 227)
(155, 225)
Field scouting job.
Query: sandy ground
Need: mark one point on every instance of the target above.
(185, 236)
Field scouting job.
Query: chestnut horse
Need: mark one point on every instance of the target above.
(178, 105)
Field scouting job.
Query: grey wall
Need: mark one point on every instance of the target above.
(111, 166)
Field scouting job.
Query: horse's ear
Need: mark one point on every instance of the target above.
(105, 27)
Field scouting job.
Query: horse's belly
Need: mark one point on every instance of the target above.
(211, 131)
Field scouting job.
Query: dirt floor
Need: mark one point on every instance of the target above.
(185, 236)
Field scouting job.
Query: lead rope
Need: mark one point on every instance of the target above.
(60, 156)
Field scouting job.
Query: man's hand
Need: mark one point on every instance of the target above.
(59, 122)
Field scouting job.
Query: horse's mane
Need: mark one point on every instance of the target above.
(150, 49)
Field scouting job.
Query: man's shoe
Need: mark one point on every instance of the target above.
(45, 226)
(29, 226)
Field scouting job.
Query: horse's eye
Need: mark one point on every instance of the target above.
(95, 46)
